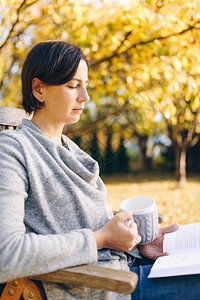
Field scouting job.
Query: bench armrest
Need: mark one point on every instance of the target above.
(105, 279)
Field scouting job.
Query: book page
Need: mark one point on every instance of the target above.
(186, 238)
(176, 265)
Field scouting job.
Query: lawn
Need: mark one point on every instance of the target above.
(177, 204)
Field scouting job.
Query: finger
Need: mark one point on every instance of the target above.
(127, 223)
(160, 255)
(164, 254)
(170, 228)
(138, 239)
(133, 224)
(125, 215)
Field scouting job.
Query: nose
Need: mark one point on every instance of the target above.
(83, 95)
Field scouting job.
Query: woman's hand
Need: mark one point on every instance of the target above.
(115, 235)
(155, 249)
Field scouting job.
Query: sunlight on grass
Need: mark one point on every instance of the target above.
(177, 204)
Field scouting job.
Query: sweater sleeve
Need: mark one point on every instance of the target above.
(24, 254)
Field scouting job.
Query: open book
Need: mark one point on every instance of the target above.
(184, 248)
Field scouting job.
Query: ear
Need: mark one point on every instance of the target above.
(37, 87)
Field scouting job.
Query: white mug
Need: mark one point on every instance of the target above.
(145, 215)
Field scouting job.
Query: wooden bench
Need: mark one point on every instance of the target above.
(86, 275)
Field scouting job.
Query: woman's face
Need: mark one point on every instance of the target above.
(65, 103)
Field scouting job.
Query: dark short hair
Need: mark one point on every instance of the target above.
(54, 63)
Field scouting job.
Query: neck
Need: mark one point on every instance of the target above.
(49, 129)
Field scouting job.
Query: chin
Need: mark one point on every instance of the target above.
(70, 122)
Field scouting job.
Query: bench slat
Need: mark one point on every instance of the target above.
(10, 116)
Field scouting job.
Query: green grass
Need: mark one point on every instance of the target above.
(177, 204)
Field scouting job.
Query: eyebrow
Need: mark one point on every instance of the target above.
(79, 80)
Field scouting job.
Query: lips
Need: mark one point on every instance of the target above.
(78, 110)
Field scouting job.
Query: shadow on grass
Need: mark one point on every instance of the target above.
(145, 177)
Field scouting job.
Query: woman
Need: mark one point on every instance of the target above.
(53, 207)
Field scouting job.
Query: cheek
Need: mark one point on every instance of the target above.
(61, 102)
(64, 106)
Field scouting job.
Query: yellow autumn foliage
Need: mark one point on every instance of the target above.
(145, 55)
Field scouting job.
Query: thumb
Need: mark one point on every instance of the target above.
(170, 228)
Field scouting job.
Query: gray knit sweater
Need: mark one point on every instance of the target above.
(51, 201)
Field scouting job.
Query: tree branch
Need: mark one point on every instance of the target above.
(18, 11)
(32, 3)
(85, 128)
(191, 131)
(14, 24)
(122, 42)
(192, 138)
(117, 54)
(194, 141)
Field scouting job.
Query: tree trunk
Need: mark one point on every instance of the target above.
(109, 161)
(180, 156)
(147, 161)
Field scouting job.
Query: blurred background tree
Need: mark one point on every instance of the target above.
(145, 66)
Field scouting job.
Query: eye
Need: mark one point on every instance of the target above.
(72, 87)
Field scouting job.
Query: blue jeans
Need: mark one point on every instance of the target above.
(172, 288)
